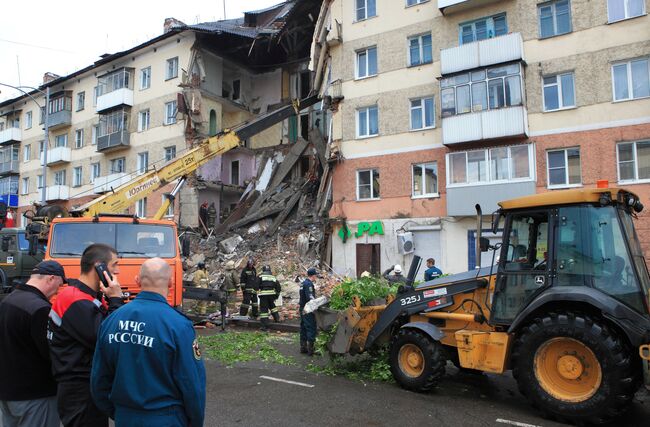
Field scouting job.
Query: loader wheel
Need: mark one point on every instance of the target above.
(573, 367)
(416, 361)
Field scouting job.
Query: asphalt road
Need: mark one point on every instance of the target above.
(240, 396)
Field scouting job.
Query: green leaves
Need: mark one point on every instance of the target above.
(238, 347)
(363, 367)
(366, 288)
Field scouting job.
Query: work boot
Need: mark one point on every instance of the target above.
(276, 317)
(310, 348)
(265, 324)
(303, 347)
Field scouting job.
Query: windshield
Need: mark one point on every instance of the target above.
(592, 250)
(130, 240)
(637, 252)
(23, 243)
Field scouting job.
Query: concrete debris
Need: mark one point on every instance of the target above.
(230, 244)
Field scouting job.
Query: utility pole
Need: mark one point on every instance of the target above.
(46, 142)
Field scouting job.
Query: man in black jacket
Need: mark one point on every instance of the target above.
(74, 324)
(27, 388)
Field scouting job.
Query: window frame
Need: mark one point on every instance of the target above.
(93, 169)
(552, 3)
(356, 63)
(81, 100)
(372, 184)
(64, 136)
(169, 62)
(357, 121)
(473, 23)
(28, 120)
(566, 169)
(365, 8)
(78, 142)
(77, 172)
(169, 213)
(427, 195)
(171, 148)
(141, 208)
(59, 174)
(118, 160)
(142, 162)
(94, 134)
(141, 114)
(146, 71)
(27, 153)
(628, 74)
(636, 179)
(24, 185)
(423, 113)
(167, 116)
(558, 84)
(531, 167)
(39, 182)
(417, 2)
(420, 48)
(625, 8)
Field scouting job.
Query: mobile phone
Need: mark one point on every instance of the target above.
(100, 269)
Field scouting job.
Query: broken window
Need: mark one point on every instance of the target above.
(234, 172)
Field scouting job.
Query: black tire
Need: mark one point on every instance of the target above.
(618, 379)
(433, 367)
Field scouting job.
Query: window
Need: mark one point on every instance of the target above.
(367, 62)
(425, 180)
(633, 161)
(41, 118)
(41, 144)
(76, 177)
(61, 140)
(482, 29)
(95, 95)
(95, 171)
(234, 172)
(81, 101)
(59, 178)
(145, 78)
(480, 90)
(120, 79)
(93, 136)
(365, 9)
(143, 120)
(368, 184)
(170, 153)
(414, 2)
(118, 165)
(631, 79)
(141, 208)
(367, 122)
(28, 120)
(236, 87)
(494, 165)
(27, 153)
(143, 162)
(24, 188)
(39, 181)
(559, 92)
(564, 168)
(171, 71)
(554, 18)
(60, 103)
(79, 138)
(617, 10)
(170, 210)
(170, 113)
(422, 113)
(420, 50)
(114, 122)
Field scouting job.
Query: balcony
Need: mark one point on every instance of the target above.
(57, 156)
(485, 125)
(59, 119)
(447, 7)
(113, 141)
(117, 98)
(485, 195)
(9, 167)
(103, 184)
(10, 135)
(57, 192)
(482, 53)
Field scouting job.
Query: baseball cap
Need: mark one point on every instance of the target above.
(312, 272)
(50, 268)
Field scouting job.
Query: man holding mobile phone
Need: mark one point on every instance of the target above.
(73, 326)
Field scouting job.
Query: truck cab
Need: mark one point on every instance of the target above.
(16, 263)
(135, 240)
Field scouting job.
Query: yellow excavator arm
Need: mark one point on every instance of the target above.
(122, 197)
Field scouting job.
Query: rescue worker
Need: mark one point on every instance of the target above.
(231, 281)
(201, 280)
(396, 277)
(268, 293)
(250, 283)
(432, 272)
(147, 368)
(307, 320)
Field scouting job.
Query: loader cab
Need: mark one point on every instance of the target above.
(591, 243)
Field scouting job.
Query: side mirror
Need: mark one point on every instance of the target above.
(485, 244)
(33, 245)
(5, 244)
(185, 246)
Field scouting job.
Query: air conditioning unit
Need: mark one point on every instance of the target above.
(405, 243)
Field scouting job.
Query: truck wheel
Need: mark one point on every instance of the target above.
(416, 361)
(572, 367)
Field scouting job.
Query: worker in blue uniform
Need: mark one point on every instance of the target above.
(307, 320)
(147, 368)
(432, 272)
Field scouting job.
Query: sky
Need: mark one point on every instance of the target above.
(38, 36)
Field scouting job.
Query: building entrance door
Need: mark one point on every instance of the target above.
(368, 258)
